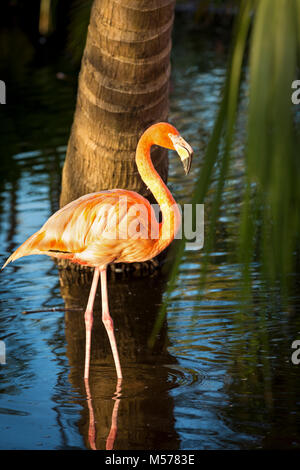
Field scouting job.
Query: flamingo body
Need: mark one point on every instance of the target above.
(113, 226)
(93, 231)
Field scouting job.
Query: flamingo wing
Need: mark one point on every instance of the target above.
(95, 230)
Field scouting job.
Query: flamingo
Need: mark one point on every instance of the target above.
(114, 226)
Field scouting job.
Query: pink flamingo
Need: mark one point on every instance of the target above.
(99, 228)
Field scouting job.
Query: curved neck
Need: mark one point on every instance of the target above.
(171, 217)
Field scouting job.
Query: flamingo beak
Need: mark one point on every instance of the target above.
(184, 151)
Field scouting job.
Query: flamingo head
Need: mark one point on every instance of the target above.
(166, 135)
(183, 149)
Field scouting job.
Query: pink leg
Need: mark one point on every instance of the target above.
(92, 428)
(110, 441)
(88, 317)
(108, 323)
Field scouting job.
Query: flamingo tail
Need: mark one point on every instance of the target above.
(29, 247)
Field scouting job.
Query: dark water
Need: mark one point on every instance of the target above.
(218, 377)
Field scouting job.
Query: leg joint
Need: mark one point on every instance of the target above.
(108, 322)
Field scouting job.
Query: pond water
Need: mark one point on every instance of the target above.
(218, 377)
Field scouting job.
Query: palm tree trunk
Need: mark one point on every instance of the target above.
(123, 88)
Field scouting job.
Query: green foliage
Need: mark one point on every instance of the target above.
(271, 159)
(266, 46)
(79, 21)
(269, 224)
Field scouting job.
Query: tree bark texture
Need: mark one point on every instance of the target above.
(123, 88)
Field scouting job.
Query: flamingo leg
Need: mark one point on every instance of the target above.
(110, 441)
(92, 428)
(88, 317)
(108, 322)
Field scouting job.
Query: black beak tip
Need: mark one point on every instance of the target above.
(187, 162)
